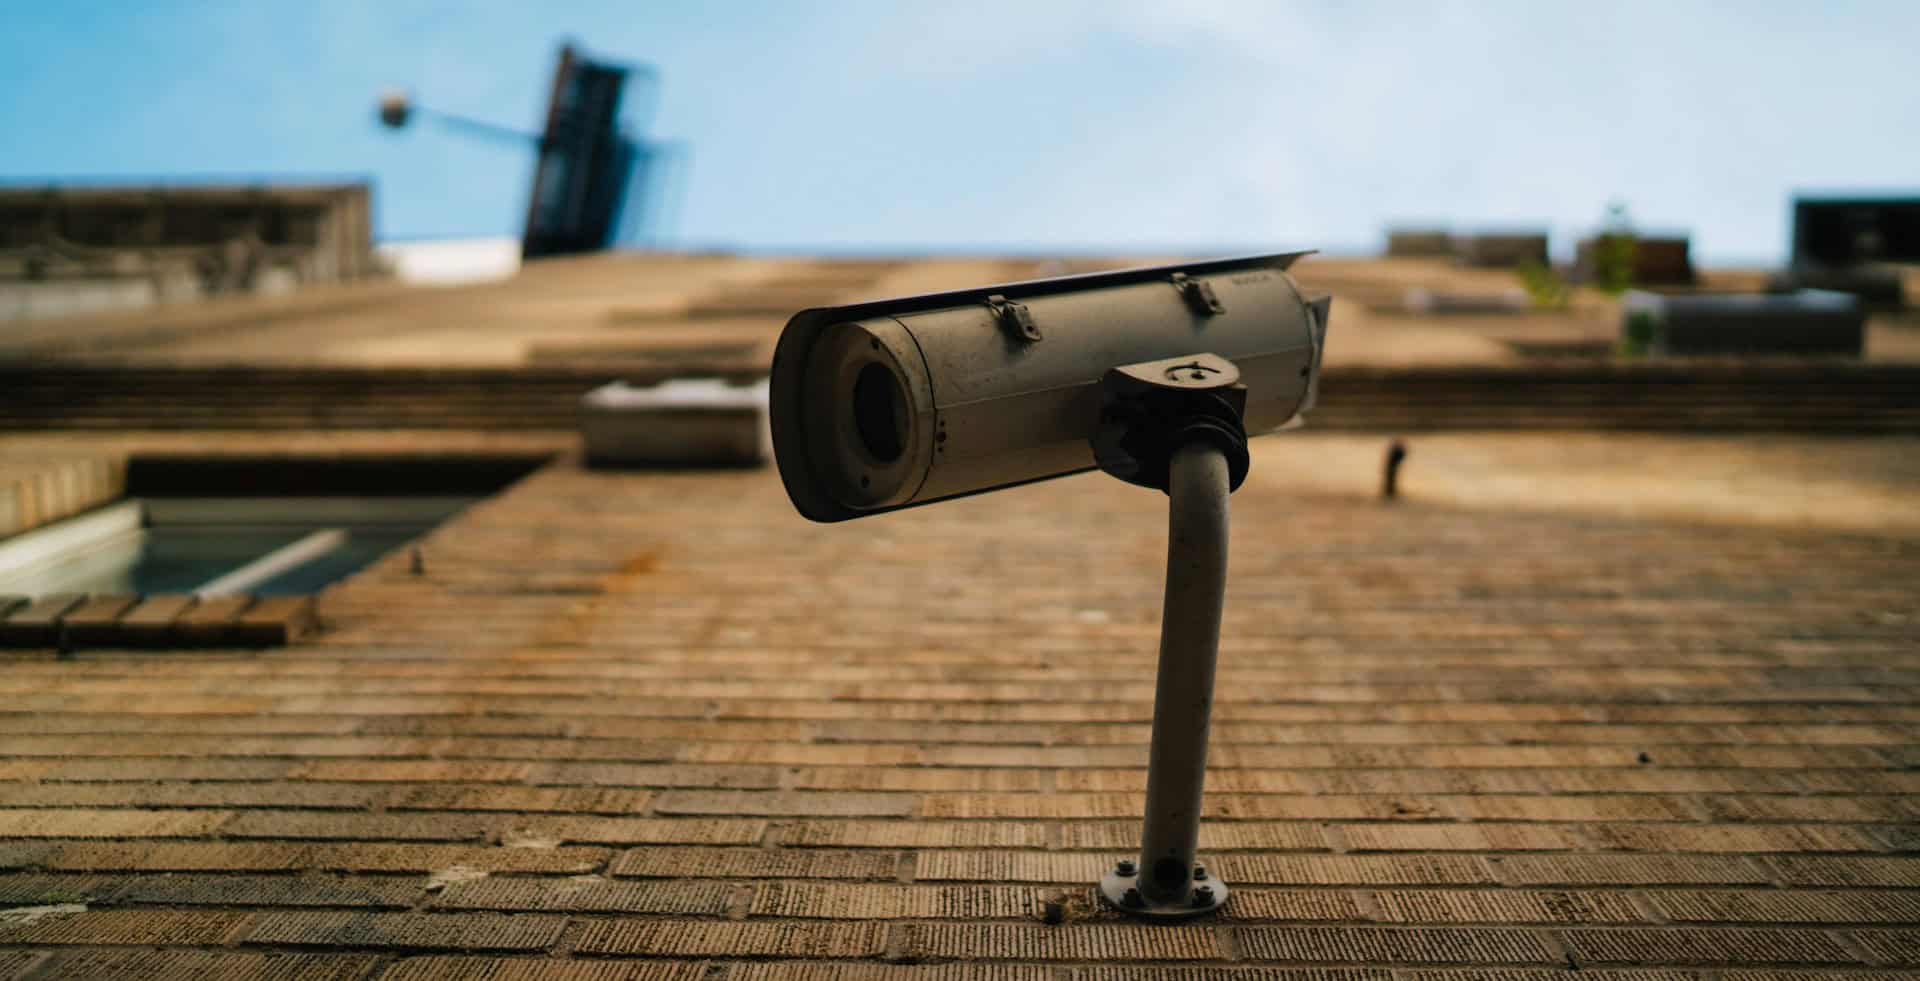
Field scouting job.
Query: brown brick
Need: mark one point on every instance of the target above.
(364, 827)
(869, 971)
(1628, 870)
(503, 747)
(416, 771)
(28, 854)
(1247, 807)
(1864, 810)
(1291, 904)
(125, 926)
(1505, 906)
(914, 834)
(1815, 974)
(667, 721)
(529, 969)
(1632, 808)
(214, 795)
(1897, 947)
(150, 622)
(709, 938)
(1375, 945)
(193, 965)
(1029, 806)
(1332, 870)
(1222, 781)
(1664, 780)
(784, 754)
(1077, 942)
(764, 803)
(14, 770)
(1858, 781)
(276, 856)
(128, 770)
(422, 931)
(498, 797)
(1735, 838)
(1789, 906)
(539, 726)
(658, 775)
(586, 895)
(1008, 866)
(380, 857)
(95, 723)
(1558, 973)
(1703, 946)
(269, 890)
(168, 856)
(920, 779)
(850, 901)
(1459, 837)
(754, 863)
(644, 831)
(1110, 972)
(1896, 872)
(95, 623)
(209, 623)
(276, 621)
(110, 823)
(49, 890)
(1214, 836)
(1414, 783)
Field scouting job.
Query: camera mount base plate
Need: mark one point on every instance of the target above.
(1120, 888)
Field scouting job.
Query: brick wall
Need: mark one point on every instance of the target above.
(655, 726)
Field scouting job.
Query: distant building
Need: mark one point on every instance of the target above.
(71, 249)
(1654, 260)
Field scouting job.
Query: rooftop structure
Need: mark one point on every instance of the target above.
(76, 249)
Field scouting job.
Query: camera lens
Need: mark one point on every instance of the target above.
(880, 412)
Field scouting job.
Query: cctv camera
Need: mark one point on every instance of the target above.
(896, 403)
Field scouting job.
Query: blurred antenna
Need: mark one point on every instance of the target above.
(598, 181)
(397, 109)
(655, 190)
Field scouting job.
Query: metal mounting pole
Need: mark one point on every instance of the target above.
(1165, 882)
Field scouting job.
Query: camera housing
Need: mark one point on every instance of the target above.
(895, 403)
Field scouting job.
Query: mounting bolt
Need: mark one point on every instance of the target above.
(1132, 898)
(1126, 868)
(1390, 471)
(1199, 873)
(1203, 896)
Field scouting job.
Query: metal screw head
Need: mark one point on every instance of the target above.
(1126, 867)
(1203, 896)
(1132, 898)
(1199, 873)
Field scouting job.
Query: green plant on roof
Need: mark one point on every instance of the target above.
(1545, 287)
(1614, 251)
(1637, 339)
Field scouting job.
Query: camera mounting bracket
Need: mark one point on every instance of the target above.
(1149, 410)
(1175, 425)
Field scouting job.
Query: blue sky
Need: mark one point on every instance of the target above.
(1032, 125)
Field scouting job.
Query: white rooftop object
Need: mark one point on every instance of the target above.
(678, 422)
